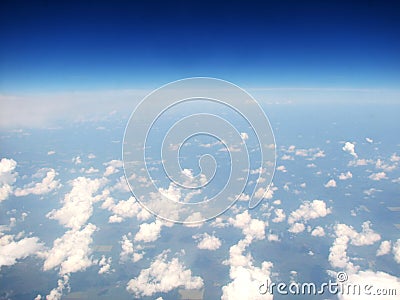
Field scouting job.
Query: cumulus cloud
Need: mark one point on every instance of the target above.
(297, 228)
(345, 234)
(384, 248)
(125, 209)
(12, 250)
(377, 176)
(396, 251)
(350, 148)
(105, 265)
(78, 203)
(57, 293)
(345, 176)
(7, 177)
(330, 184)
(207, 242)
(112, 167)
(280, 215)
(163, 276)
(71, 252)
(309, 210)
(246, 278)
(149, 232)
(251, 228)
(318, 231)
(48, 184)
(128, 251)
(374, 281)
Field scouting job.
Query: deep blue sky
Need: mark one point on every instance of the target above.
(88, 45)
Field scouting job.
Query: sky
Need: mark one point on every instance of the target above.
(69, 46)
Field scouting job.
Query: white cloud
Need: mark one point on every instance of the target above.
(345, 176)
(105, 265)
(56, 293)
(395, 158)
(369, 140)
(112, 167)
(281, 168)
(297, 228)
(396, 251)
(125, 209)
(384, 248)
(163, 276)
(346, 234)
(12, 250)
(71, 252)
(7, 177)
(47, 185)
(309, 210)
(318, 231)
(246, 278)
(78, 203)
(373, 281)
(149, 232)
(350, 148)
(207, 242)
(330, 184)
(251, 228)
(51, 152)
(280, 215)
(244, 136)
(378, 176)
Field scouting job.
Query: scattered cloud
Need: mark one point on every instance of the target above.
(345, 176)
(71, 252)
(207, 242)
(48, 184)
(7, 177)
(163, 276)
(378, 176)
(350, 148)
(330, 184)
(309, 210)
(384, 248)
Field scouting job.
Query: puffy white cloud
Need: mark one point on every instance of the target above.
(51, 152)
(78, 203)
(318, 231)
(346, 234)
(246, 278)
(125, 209)
(395, 158)
(345, 176)
(384, 248)
(372, 281)
(149, 232)
(309, 210)
(207, 242)
(105, 265)
(350, 148)
(7, 177)
(378, 176)
(281, 168)
(71, 252)
(330, 184)
(112, 167)
(56, 293)
(12, 250)
(280, 215)
(251, 228)
(297, 228)
(47, 184)
(369, 140)
(396, 251)
(163, 276)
